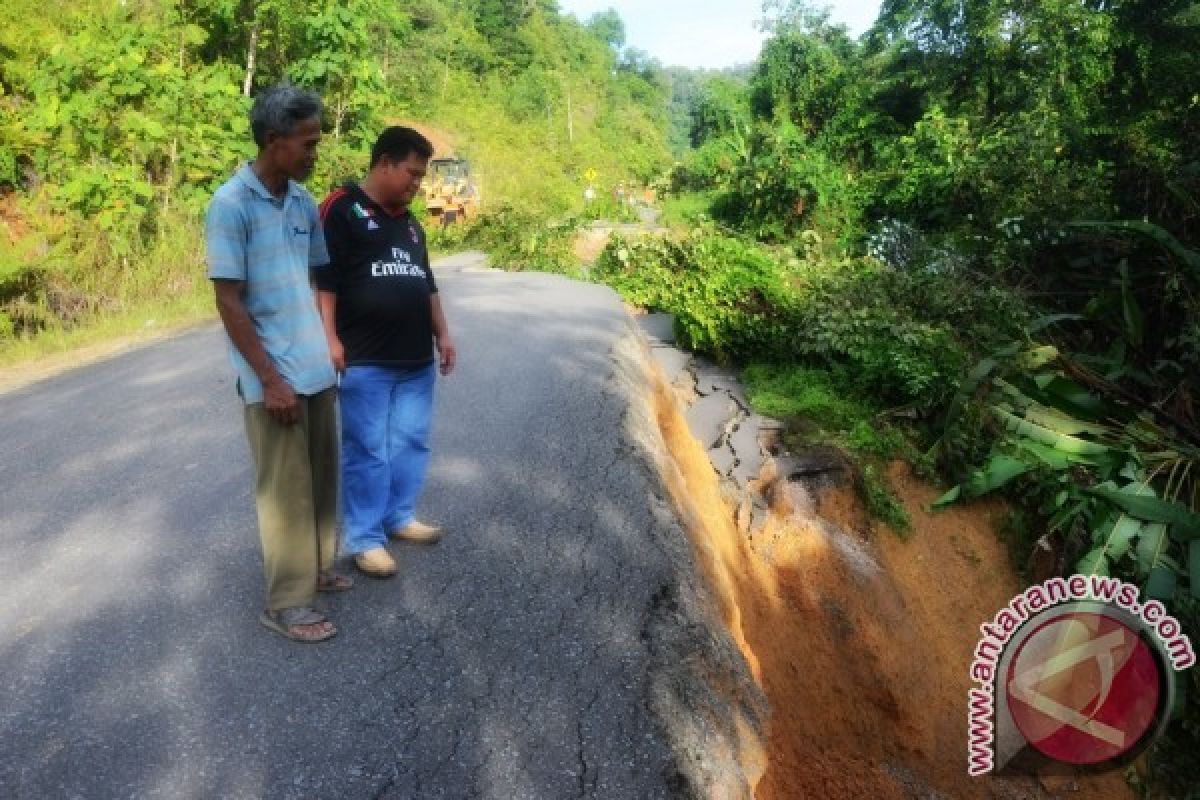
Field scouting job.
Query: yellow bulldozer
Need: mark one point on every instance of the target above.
(450, 192)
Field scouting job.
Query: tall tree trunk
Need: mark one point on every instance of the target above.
(169, 188)
(339, 116)
(251, 60)
(570, 118)
(173, 156)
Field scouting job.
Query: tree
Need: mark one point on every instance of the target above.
(608, 28)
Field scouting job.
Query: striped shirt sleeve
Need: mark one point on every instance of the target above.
(225, 241)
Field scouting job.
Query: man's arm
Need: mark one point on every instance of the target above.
(441, 334)
(278, 397)
(327, 305)
(325, 278)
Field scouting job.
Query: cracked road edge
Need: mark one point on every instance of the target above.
(701, 692)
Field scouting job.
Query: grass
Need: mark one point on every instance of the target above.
(119, 284)
(881, 502)
(148, 320)
(818, 405)
(788, 391)
(685, 210)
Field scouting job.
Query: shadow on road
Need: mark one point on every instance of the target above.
(507, 661)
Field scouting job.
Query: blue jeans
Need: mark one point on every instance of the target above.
(386, 415)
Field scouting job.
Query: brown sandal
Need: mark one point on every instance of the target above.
(334, 582)
(287, 620)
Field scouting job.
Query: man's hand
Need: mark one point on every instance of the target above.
(448, 354)
(280, 401)
(337, 353)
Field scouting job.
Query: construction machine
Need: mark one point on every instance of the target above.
(451, 194)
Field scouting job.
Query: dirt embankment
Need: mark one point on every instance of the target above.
(861, 641)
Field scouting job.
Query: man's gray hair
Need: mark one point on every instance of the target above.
(280, 109)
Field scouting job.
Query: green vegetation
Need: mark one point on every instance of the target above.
(812, 394)
(117, 121)
(881, 503)
(825, 406)
(686, 209)
(981, 217)
(517, 239)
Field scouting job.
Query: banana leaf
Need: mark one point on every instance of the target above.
(1077, 399)
(1122, 535)
(1037, 357)
(1067, 513)
(1094, 562)
(1059, 441)
(1055, 459)
(1016, 397)
(1161, 583)
(949, 498)
(1057, 421)
(972, 383)
(1185, 524)
(998, 471)
(1151, 544)
(1058, 393)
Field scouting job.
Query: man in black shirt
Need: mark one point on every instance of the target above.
(382, 316)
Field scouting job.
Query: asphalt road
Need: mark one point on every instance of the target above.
(516, 659)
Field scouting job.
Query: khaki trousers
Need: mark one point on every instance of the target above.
(296, 491)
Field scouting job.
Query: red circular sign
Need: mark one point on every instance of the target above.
(1083, 688)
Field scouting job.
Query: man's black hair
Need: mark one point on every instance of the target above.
(397, 143)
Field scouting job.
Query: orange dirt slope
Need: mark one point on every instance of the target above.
(861, 641)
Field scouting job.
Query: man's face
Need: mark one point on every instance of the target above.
(402, 179)
(296, 154)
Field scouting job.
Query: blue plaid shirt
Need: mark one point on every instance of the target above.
(271, 244)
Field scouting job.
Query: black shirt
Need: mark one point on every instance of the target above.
(379, 270)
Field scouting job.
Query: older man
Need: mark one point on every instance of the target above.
(263, 237)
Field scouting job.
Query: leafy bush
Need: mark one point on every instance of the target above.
(444, 238)
(904, 336)
(8, 167)
(860, 316)
(606, 208)
(728, 296)
(835, 332)
(522, 240)
(686, 209)
(784, 184)
(707, 166)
